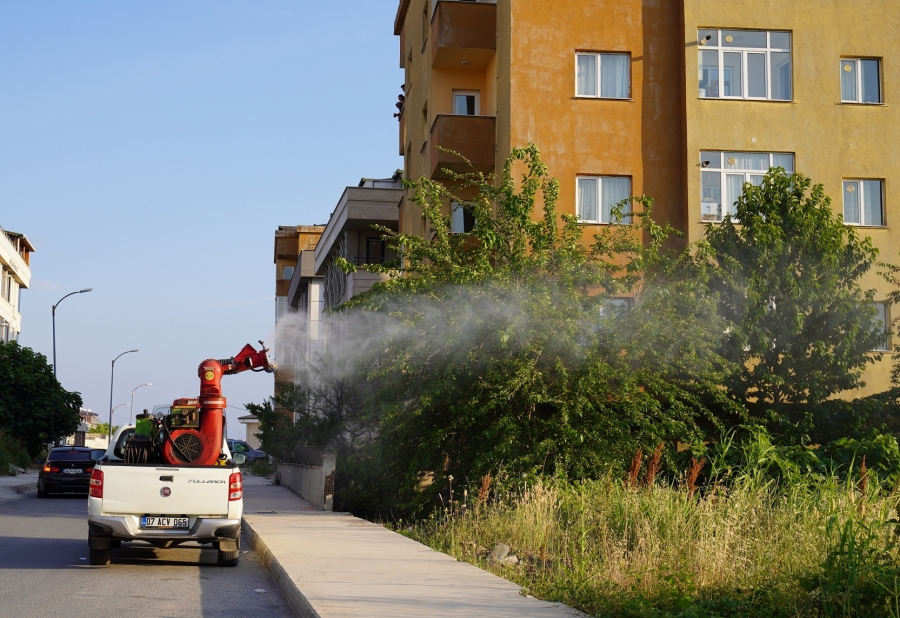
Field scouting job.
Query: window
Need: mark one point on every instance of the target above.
(724, 174)
(281, 306)
(287, 272)
(462, 220)
(597, 195)
(607, 76)
(374, 251)
(863, 202)
(745, 64)
(467, 103)
(882, 319)
(861, 80)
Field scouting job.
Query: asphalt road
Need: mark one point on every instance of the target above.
(44, 572)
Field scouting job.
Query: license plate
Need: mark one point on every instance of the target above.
(163, 522)
(71, 471)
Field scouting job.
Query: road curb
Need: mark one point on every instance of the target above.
(11, 492)
(24, 488)
(292, 594)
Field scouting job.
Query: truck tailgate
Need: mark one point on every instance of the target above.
(160, 490)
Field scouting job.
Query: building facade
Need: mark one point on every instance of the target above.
(680, 100)
(290, 242)
(15, 275)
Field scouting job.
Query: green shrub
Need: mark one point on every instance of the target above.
(12, 453)
(261, 467)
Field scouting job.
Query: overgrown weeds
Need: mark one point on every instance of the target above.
(744, 544)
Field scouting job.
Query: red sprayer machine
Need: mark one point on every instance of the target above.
(191, 434)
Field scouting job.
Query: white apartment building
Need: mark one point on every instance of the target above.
(15, 274)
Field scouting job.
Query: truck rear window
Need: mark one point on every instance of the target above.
(69, 456)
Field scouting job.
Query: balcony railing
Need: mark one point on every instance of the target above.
(463, 34)
(473, 137)
(363, 260)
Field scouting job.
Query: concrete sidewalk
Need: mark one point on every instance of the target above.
(13, 487)
(336, 565)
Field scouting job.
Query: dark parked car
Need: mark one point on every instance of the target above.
(67, 470)
(253, 454)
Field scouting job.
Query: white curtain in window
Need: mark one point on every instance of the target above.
(881, 321)
(614, 76)
(848, 80)
(587, 199)
(734, 186)
(458, 222)
(872, 202)
(613, 191)
(784, 160)
(851, 202)
(750, 161)
(587, 75)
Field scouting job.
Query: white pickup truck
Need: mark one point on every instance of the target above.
(164, 505)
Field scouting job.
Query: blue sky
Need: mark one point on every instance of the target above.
(149, 149)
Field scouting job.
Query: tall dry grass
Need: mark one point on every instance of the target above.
(746, 545)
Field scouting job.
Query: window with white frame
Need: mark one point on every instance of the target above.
(597, 196)
(462, 221)
(882, 318)
(466, 103)
(745, 64)
(863, 202)
(725, 173)
(860, 80)
(605, 76)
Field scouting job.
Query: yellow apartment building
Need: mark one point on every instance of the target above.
(681, 100)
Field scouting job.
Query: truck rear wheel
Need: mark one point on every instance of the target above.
(228, 554)
(99, 557)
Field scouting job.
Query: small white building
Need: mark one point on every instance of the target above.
(252, 426)
(15, 275)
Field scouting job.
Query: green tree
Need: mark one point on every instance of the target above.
(513, 347)
(34, 408)
(104, 429)
(800, 328)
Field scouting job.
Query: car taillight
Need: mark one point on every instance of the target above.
(235, 487)
(49, 468)
(88, 470)
(97, 484)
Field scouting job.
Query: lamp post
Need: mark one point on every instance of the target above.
(112, 376)
(54, 322)
(114, 409)
(131, 411)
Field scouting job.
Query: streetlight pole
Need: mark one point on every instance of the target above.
(131, 411)
(54, 322)
(112, 375)
(114, 409)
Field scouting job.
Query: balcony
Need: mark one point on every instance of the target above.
(474, 137)
(463, 34)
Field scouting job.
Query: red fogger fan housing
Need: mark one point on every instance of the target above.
(202, 445)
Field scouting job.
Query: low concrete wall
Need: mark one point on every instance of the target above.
(315, 484)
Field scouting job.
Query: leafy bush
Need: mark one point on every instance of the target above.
(12, 453)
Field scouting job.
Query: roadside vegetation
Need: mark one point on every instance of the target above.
(12, 453)
(35, 409)
(652, 427)
(759, 540)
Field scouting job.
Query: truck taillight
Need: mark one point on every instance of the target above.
(97, 484)
(235, 487)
